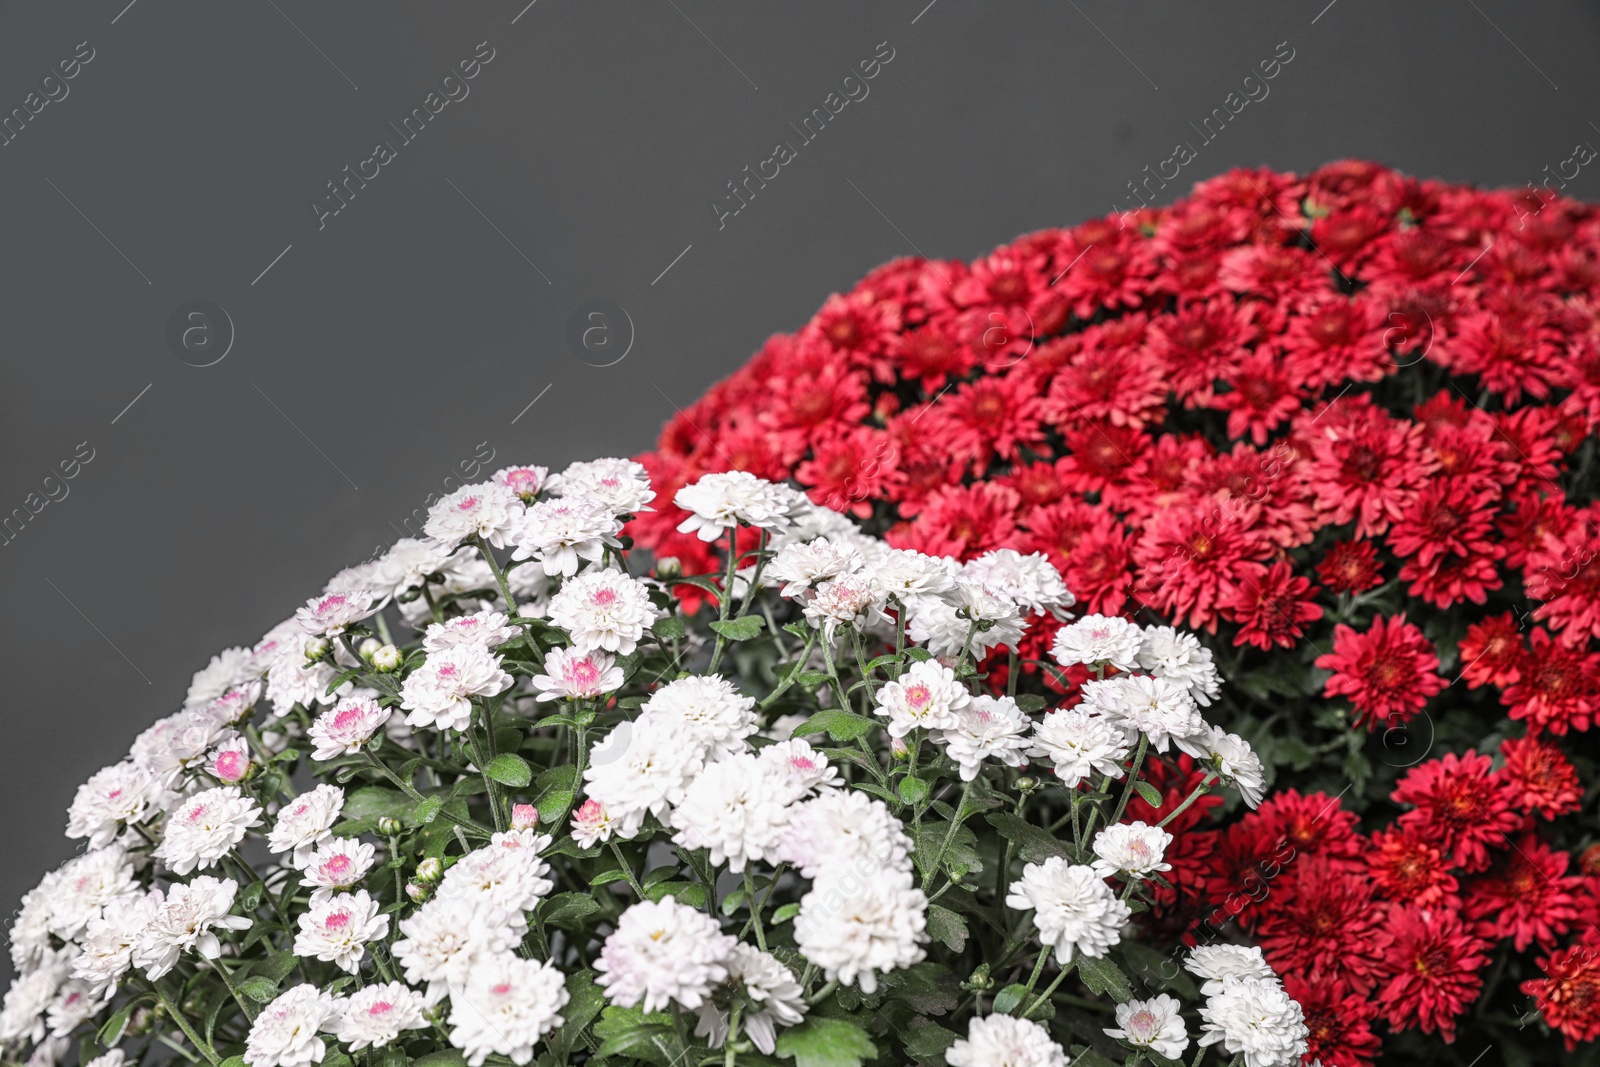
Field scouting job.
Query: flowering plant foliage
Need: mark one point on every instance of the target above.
(1342, 426)
(497, 798)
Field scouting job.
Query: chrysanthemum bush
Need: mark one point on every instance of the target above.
(498, 797)
(1339, 424)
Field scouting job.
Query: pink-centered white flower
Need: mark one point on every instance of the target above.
(338, 863)
(857, 923)
(185, 921)
(439, 693)
(109, 939)
(442, 940)
(1031, 581)
(1155, 1025)
(641, 769)
(1078, 743)
(623, 485)
(564, 532)
(487, 628)
(305, 822)
(986, 728)
(226, 669)
(720, 502)
(334, 613)
(112, 798)
(488, 510)
(524, 482)
(1165, 713)
(848, 600)
(591, 823)
(506, 1005)
(337, 928)
(799, 567)
(802, 769)
(84, 884)
(229, 763)
(376, 1015)
(205, 828)
(927, 695)
(663, 952)
(287, 1031)
(1005, 1041)
(1074, 909)
(604, 610)
(1133, 849)
(573, 675)
(344, 729)
(1096, 640)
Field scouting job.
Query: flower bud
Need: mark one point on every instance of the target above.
(229, 766)
(316, 648)
(669, 567)
(899, 748)
(418, 893)
(524, 816)
(388, 825)
(1025, 784)
(368, 647)
(430, 870)
(387, 658)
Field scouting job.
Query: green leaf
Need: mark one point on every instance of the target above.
(250, 897)
(927, 1042)
(616, 874)
(341, 678)
(584, 1002)
(1105, 978)
(1009, 999)
(1034, 844)
(111, 1032)
(336, 1059)
(691, 893)
(785, 913)
(556, 790)
(912, 790)
(812, 679)
(668, 629)
(921, 655)
(259, 989)
(568, 908)
(840, 725)
(507, 738)
(374, 802)
(449, 1057)
(276, 966)
(948, 927)
(509, 769)
(821, 1042)
(1152, 796)
(233, 1061)
(628, 1031)
(427, 811)
(740, 629)
(929, 988)
(1030, 702)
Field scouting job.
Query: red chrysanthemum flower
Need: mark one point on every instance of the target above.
(1365, 466)
(962, 521)
(846, 472)
(1543, 779)
(1559, 687)
(1389, 672)
(1411, 870)
(1262, 395)
(1565, 574)
(1339, 1022)
(1271, 608)
(1432, 970)
(1460, 803)
(1350, 567)
(1324, 918)
(1568, 996)
(1526, 895)
(1491, 652)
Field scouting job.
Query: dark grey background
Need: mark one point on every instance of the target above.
(380, 351)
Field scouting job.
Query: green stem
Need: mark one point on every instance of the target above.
(755, 917)
(1199, 790)
(174, 1010)
(823, 994)
(794, 671)
(627, 869)
(726, 599)
(1133, 776)
(957, 817)
(733, 1032)
(755, 579)
(410, 791)
(1050, 990)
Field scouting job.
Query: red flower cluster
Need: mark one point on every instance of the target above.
(1340, 421)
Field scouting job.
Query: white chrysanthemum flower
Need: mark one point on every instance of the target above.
(802, 566)
(1237, 763)
(338, 863)
(337, 928)
(487, 628)
(174, 743)
(563, 532)
(344, 729)
(779, 1000)
(971, 617)
(1220, 964)
(1154, 1025)
(76, 1002)
(439, 693)
(1180, 658)
(845, 829)
(524, 482)
(910, 576)
(1256, 1018)
(85, 884)
(510, 880)
(1005, 1041)
(376, 1015)
(591, 823)
(305, 822)
(663, 952)
(30, 930)
(735, 809)
(227, 669)
(719, 502)
(233, 706)
(642, 768)
(292, 676)
(710, 709)
(443, 938)
(186, 920)
(847, 601)
(809, 521)
(505, 1006)
(334, 613)
(1098, 639)
(623, 485)
(927, 695)
(1080, 743)
(285, 1034)
(110, 938)
(115, 1058)
(1162, 711)
(986, 728)
(201, 832)
(572, 675)
(855, 923)
(27, 1000)
(1134, 849)
(1032, 581)
(487, 510)
(802, 769)
(407, 565)
(1074, 909)
(604, 610)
